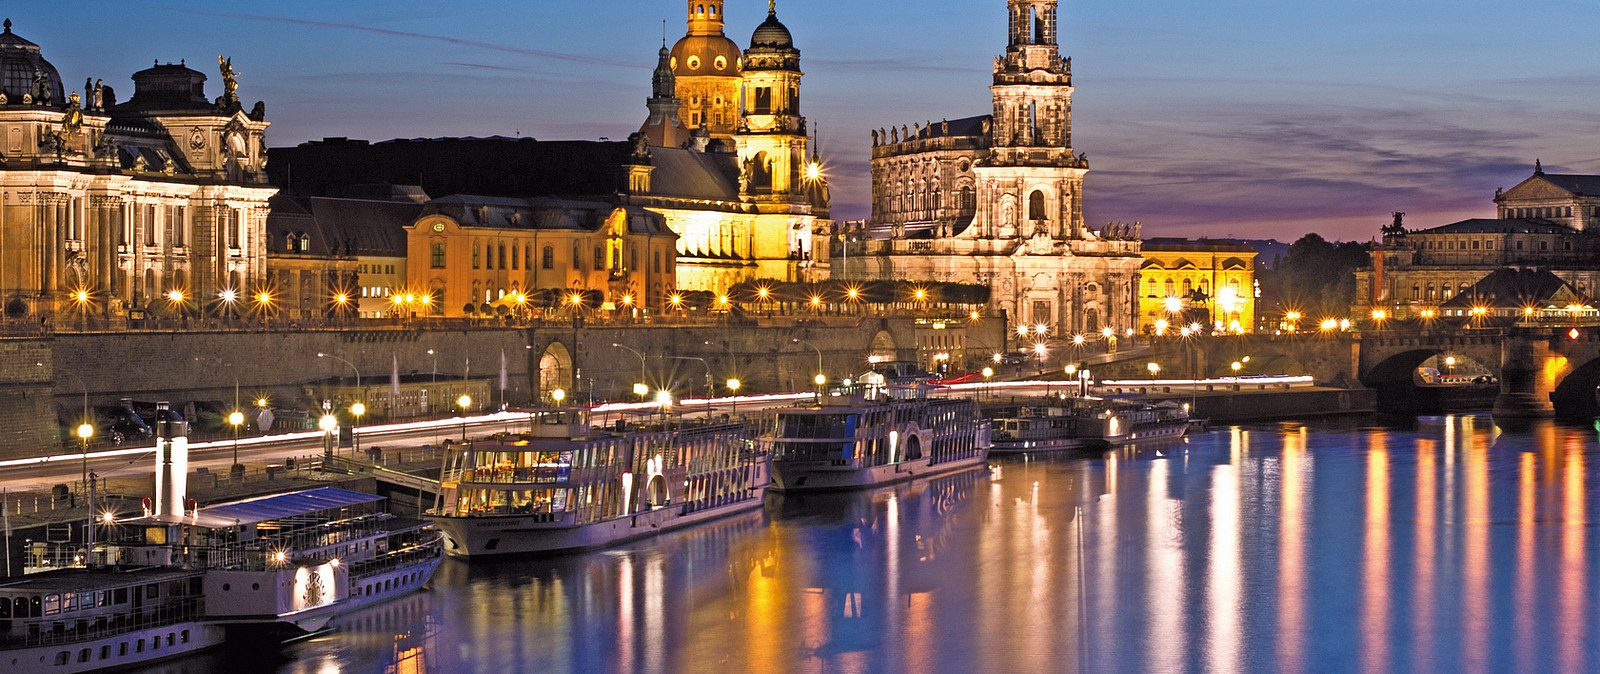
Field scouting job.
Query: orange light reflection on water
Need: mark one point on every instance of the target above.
(1296, 469)
(1375, 598)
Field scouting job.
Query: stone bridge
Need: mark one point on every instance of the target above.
(1543, 371)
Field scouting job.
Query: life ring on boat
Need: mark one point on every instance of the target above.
(147, 504)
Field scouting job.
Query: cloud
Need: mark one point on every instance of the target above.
(541, 53)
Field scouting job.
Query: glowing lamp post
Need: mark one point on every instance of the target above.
(733, 395)
(558, 395)
(329, 425)
(1154, 368)
(356, 410)
(464, 402)
(85, 431)
(236, 419)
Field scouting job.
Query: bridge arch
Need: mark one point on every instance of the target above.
(1574, 397)
(883, 347)
(555, 369)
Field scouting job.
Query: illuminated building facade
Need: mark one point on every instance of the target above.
(997, 200)
(488, 256)
(158, 202)
(1543, 223)
(1206, 282)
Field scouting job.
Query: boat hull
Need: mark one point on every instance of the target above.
(809, 476)
(170, 639)
(472, 537)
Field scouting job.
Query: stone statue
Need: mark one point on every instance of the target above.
(97, 99)
(874, 137)
(747, 169)
(916, 131)
(259, 112)
(905, 132)
(41, 87)
(987, 125)
(894, 135)
(944, 127)
(78, 269)
(230, 79)
(72, 119)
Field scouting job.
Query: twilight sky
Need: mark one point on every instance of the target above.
(1226, 118)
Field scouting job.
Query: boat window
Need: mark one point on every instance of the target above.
(806, 426)
(52, 604)
(120, 596)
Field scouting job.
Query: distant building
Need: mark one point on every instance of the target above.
(495, 256)
(1543, 224)
(1208, 282)
(997, 200)
(723, 157)
(129, 203)
(321, 250)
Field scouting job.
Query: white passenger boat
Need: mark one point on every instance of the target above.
(180, 579)
(566, 485)
(875, 433)
(1083, 423)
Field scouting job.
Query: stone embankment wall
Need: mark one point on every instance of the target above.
(209, 366)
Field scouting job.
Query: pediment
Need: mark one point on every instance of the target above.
(1533, 189)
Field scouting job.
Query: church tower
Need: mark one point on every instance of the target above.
(664, 127)
(1031, 178)
(772, 134)
(707, 66)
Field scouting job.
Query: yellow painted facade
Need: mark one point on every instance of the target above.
(468, 258)
(1185, 283)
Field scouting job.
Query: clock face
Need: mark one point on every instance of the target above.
(438, 227)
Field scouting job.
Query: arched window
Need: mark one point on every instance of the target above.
(657, 266)
(548, 258)
(1091, 320)
(1036, 206)
(1169, 288)
(577, 256)
(477, 255)
(288, 243)
(501, 258)
(514, 258)
(1188, 287)
(1416, 291)
(305, 243)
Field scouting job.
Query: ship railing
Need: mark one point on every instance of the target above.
(57, 631)
(396, 559)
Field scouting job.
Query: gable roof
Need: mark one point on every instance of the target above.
(1517, 288)
(1495, 226)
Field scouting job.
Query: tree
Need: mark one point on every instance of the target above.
(1318, 277)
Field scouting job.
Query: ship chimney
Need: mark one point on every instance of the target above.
(172, 462)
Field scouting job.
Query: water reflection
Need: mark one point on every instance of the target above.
(1432, 545)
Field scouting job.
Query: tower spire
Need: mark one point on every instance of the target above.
(772, 7)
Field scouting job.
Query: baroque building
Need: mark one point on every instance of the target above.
(1212, 283)
(1547, 222)
(723, 159)
(106, 208)
(997, 199)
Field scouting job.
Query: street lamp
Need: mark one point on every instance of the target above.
(820, 380)
(820, 375)
(85, 431)
(464, 402)
(558, 395)
(1450, 365)
(1071, 370)
(356, 410)
(236, 419)
(642, 388)
(328, 424)
(733, 395)
(1154, 369)
(710, 387)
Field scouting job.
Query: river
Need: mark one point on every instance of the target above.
(1440, 544)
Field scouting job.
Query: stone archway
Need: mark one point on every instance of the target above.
(1575, 396)
(883, 348)
(555, 369)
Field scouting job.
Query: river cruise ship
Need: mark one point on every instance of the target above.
(162, 587)
(1084, 423)
(567, 485)
(875, 433)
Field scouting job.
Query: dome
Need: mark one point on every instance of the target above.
(772, 34)
(706, 55)
(20, 63)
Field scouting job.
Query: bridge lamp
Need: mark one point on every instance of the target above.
(664, 398)
(1040, 329)
(1022, 331)
(328, 423)
(1077, 340)
(820, 379)
(988, 372)
(1329, 324)
(642, 390)
(1237, 366)
(1071, 370)
(975, 316)
(1344, 324)
(558, 395)
(1154, 369)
